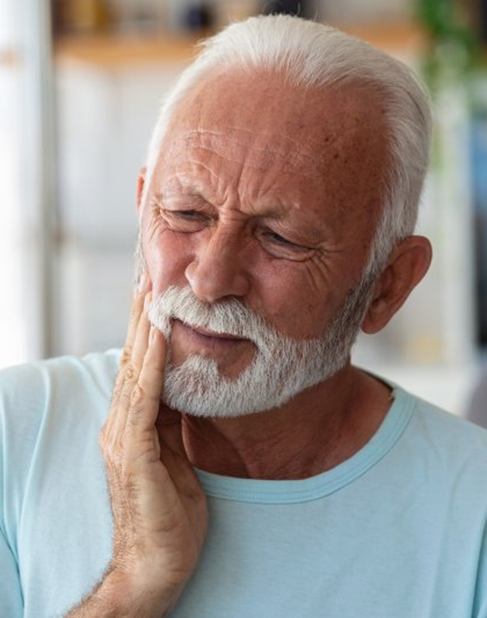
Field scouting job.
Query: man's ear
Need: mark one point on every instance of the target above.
(407, 265)
(140, 187)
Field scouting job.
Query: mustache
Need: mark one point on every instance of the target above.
(229, 317)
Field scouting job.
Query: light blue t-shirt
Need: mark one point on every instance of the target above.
(396, 531)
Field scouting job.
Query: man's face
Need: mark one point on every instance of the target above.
(267, 194)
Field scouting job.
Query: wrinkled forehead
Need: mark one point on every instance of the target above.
(319, 146)
(262, 150)
(263, 112)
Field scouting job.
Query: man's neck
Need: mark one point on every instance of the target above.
(314, 432)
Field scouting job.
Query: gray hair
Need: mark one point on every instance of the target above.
(314, 54)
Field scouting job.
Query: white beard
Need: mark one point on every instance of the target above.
(281, 368)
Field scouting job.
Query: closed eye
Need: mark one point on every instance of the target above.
(186, 221)
(281, 247)
(277, 238)
(187, 214)
(280, 240)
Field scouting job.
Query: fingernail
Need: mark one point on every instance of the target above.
(142, 283)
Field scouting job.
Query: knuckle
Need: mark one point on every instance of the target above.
(137, 396)
(111, 457)
(108, 446)
(105, 449)
(126, 355)
(129, 372)
(137, 405)
(151, 384)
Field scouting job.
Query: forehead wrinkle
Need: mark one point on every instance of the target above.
(257, 157)
(275, 209)
(185, 179)
(240, 129)
(183, 184)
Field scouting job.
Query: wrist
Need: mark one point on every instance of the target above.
(135, 596)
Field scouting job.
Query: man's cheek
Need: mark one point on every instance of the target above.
(167, 260)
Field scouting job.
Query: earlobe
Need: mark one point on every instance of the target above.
(407, 266)
(378, 305)
(140, 187)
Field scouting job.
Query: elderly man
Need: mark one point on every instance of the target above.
(244, 467)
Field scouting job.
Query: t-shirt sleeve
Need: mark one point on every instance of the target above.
(50, 416)
(17, 431)
(11, 603)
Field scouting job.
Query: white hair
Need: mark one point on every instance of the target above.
(311, 54)
(281, 367)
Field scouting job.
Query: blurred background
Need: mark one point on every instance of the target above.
(81, 83)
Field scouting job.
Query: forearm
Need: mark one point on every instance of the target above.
(117, 597)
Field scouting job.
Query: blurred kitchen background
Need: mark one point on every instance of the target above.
(81, 83)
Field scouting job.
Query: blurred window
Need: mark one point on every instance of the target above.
(26, 168)
(12, 329)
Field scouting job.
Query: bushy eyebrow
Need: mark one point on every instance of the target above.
(183, 184)
(187, 191)
(273, 212)
(276, 211)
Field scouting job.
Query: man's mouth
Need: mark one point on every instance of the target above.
(207, 336)
(210, 333)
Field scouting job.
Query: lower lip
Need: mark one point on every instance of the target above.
(207, 341)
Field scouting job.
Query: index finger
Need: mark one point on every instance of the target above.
(135, 314)
(150, 383)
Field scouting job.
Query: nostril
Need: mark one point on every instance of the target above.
(215, 280)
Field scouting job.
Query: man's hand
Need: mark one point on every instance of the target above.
(159, 508)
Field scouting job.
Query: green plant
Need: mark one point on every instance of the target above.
(453, 47)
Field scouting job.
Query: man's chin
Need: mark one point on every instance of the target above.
(206, 396)
(228, 366)
(197, 387)
(204, 405)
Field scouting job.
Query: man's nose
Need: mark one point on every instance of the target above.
(217, 270)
